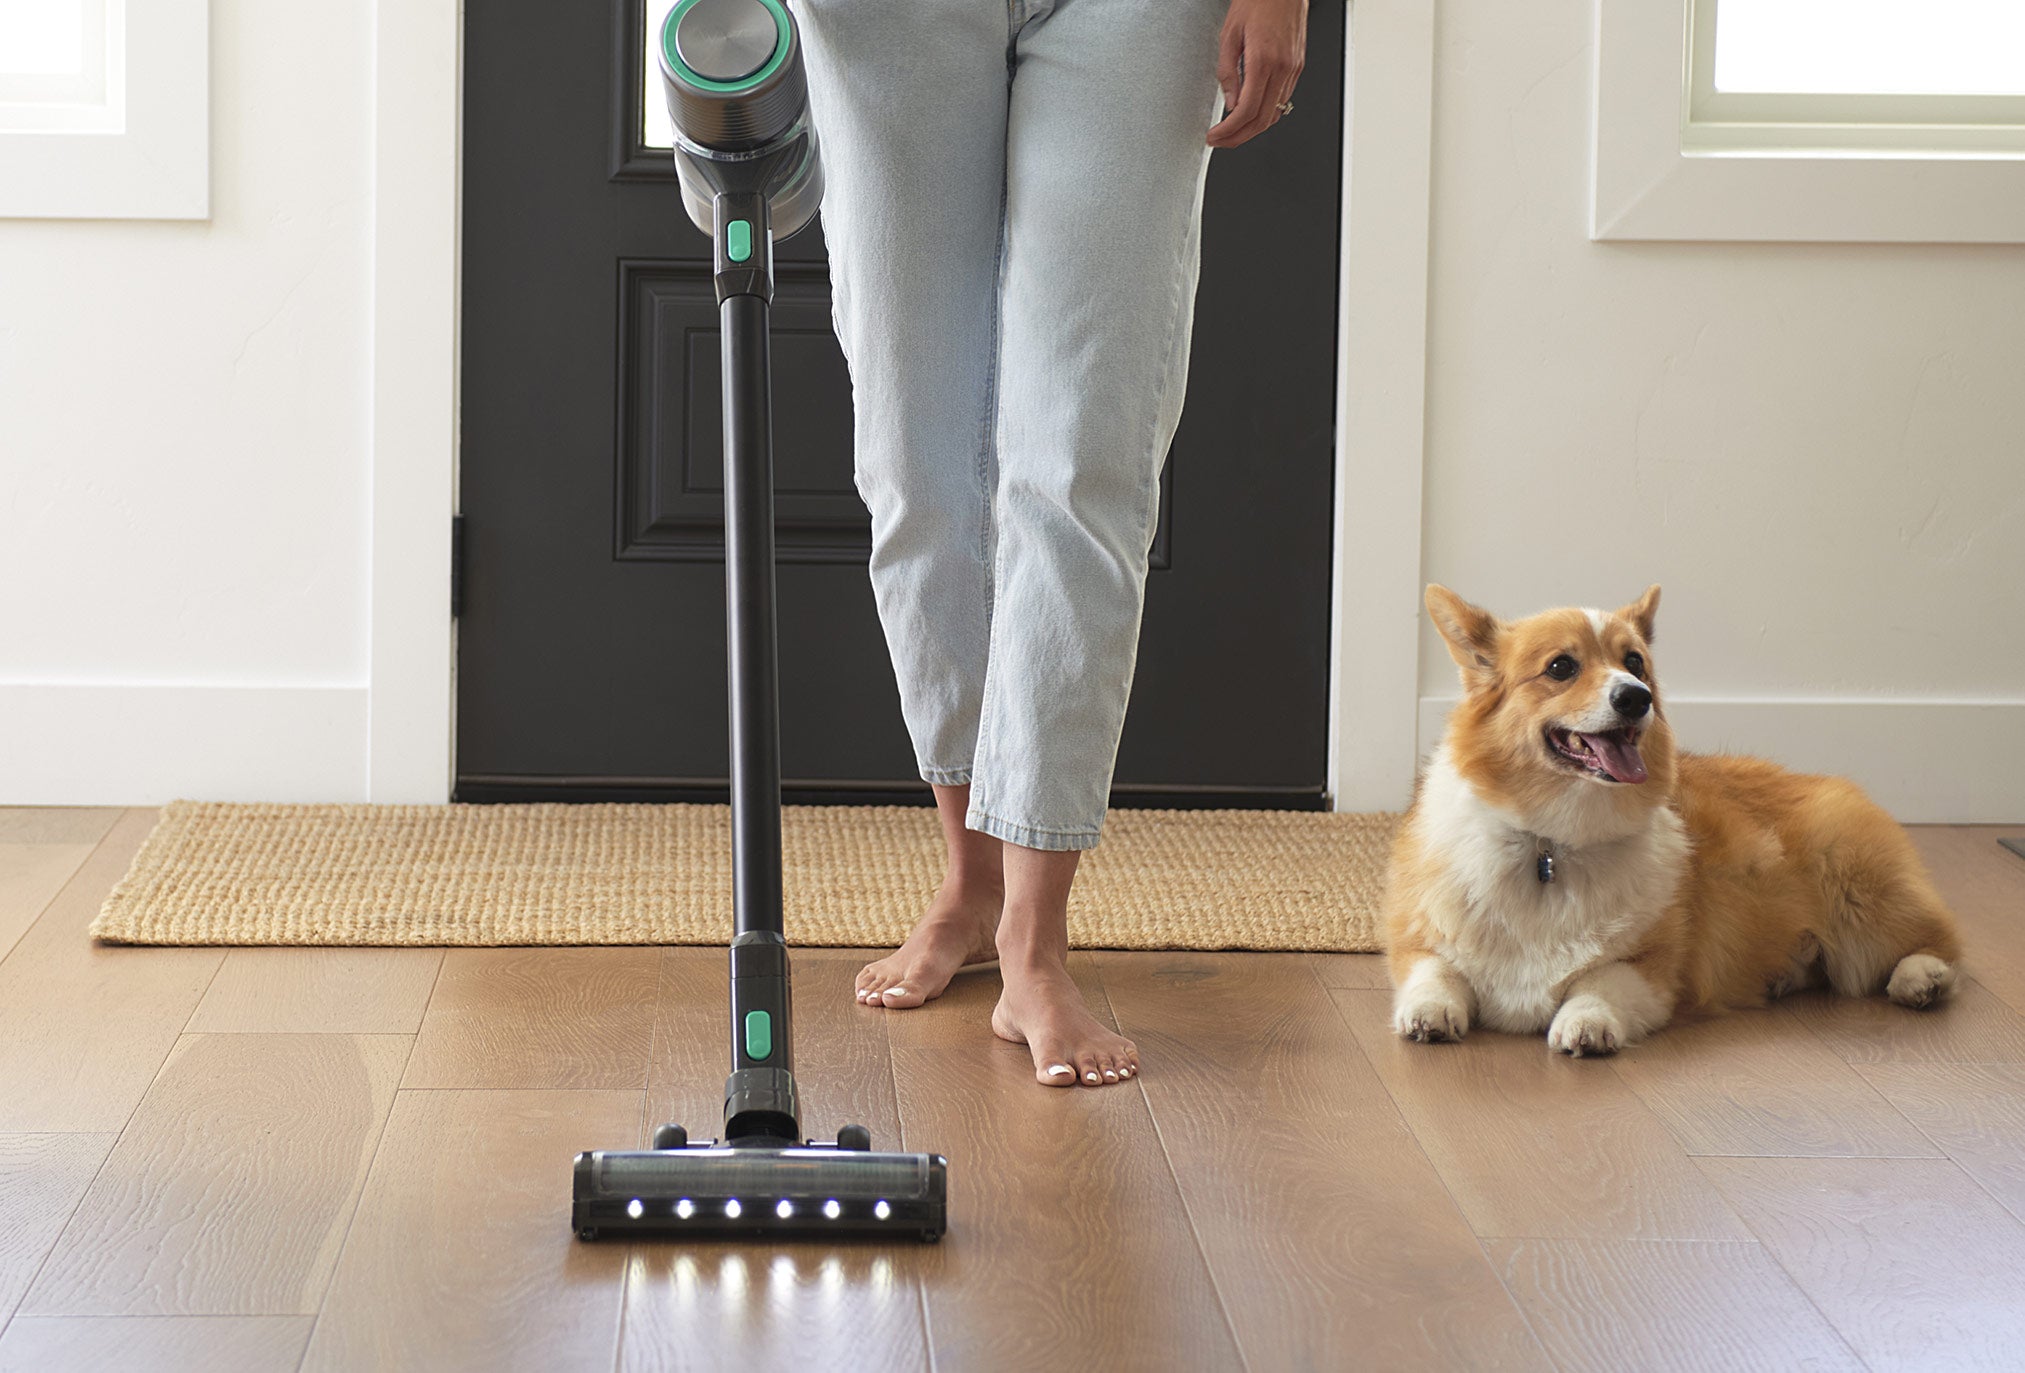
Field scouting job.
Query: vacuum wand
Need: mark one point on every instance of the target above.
(745, 154)
(760, 1095)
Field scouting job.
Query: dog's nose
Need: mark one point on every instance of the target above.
(1631, 700)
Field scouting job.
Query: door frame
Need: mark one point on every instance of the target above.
(1374, 676)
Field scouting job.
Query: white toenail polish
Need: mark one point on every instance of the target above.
(1089, 1077)
(1058, 1069)
(1108, 1073)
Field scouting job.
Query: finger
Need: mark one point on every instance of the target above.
(1276, 86)
(1229, 49)
(1236, 125)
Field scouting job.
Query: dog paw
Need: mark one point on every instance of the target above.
(1920, 980)
(1430, 1020)
(1585, 1027)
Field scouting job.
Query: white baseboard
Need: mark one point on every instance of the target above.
(146, 743)
(1927, 762)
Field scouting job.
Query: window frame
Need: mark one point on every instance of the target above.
(134, 145)
(1675, 159)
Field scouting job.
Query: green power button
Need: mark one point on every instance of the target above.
(758, 1034)
(738, 239)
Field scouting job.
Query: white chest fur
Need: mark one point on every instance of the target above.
(1517, 939)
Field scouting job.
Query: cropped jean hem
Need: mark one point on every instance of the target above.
(946, 777)
(1028, 836)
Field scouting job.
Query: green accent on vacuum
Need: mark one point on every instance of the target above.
(746, 82)
(758, 1034)
(738, 247)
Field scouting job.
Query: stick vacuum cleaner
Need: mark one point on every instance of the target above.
(747, 159)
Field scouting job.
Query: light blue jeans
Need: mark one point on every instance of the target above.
(1013, 211)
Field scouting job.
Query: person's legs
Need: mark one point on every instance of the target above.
(909, 103)
(1105, 165)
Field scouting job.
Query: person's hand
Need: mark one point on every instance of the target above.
(1257, 65)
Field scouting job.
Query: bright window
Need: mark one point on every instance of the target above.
(1886, 78)
(41, 37)
(656, 131)
(60, 66)
(1875, 47)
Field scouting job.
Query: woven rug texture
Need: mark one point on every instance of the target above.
(853, 876)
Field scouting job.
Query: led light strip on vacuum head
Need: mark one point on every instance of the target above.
(747, 1192)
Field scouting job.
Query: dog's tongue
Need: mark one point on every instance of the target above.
(1618, 754)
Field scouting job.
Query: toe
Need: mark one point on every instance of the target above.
(1055, 1074)
(1088, 1071)
(900, 996)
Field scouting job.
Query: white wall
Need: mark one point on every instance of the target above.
(1817, 449)
(225, 448)
(184, 453)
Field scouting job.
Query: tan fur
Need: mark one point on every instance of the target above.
(1718, 882)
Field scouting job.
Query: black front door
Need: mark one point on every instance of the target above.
(591, 640)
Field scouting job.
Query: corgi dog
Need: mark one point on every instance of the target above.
(1564, 868)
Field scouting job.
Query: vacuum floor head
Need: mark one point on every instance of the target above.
(760, 1192)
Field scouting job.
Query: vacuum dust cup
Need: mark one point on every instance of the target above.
(738, 98)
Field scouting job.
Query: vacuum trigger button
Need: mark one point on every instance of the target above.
(758, 1035)
(738, 239)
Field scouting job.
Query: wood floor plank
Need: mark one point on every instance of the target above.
(1356, 971)
(1331, 1239)
(159, 1344)
(1972, 1026)
(30, 877)
(1912, 1262)
(1757, 1082)
(57, 824)
(1533, 1144)
(1657, 1305)
(42, 1178)
(229, 1192)
(319, 991)
(461, 1255)
(1974, 1111)
(538, 1017)
(1068, 1243)
(772, 1306)
(1984, 883)
(709, 1307)
(84, 1027)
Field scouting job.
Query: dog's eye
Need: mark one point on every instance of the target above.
(1634, 663)
(1562, 668)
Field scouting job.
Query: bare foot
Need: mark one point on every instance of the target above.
(1042, 1009)
(958, 929)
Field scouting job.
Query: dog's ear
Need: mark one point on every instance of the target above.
(1470, 632)
(1641, 611)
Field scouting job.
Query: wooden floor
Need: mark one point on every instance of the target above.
(359, 1159)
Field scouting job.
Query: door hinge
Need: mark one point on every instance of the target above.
(456, 566)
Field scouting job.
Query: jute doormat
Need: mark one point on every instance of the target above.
(854, 876)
